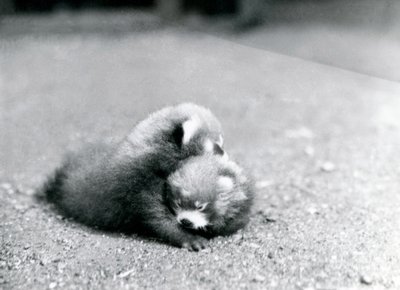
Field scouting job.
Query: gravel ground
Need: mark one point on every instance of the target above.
(322, 143)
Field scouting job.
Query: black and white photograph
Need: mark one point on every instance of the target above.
(200, 144)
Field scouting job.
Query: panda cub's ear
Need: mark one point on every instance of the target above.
(184, 132)
(177, 135)
(220, 141)
(190, 128)
(218, 150)
(225, 184)
(227, 192)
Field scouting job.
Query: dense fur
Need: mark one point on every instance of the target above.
(212, 190)
(124, 186)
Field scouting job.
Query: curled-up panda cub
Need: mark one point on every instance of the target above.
(169, 178)
(209, 196)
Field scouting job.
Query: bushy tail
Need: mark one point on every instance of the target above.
(51, 189)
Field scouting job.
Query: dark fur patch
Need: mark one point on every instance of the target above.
(177, 134)
(218, 150)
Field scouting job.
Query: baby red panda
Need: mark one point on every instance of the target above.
(125, 186)
(172, 134)
(210, 195)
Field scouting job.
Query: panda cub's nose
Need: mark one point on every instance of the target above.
(186, 223)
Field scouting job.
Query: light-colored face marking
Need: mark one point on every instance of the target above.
(197, 218)
(190, 127)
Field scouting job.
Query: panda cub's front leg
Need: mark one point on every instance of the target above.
(175, 235)
(163, 225)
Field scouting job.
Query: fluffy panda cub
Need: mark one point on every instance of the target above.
(210, 195)
(124, 186)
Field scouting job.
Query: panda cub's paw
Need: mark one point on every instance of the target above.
(195, 243)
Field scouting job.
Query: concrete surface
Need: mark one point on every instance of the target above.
(358, 35)
(321, 141)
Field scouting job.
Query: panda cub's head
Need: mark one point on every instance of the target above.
(206, 192)
(199, 133)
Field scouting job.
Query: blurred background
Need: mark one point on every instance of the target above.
(360, 35)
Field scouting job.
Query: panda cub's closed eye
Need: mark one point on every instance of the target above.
(200, 206)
